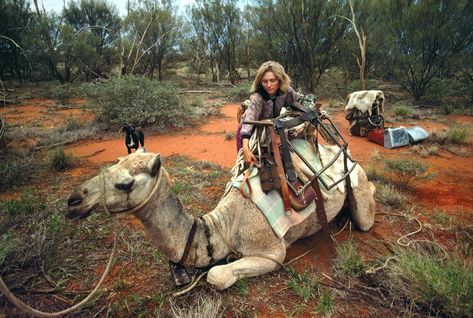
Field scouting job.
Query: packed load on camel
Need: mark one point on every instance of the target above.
(364, 115)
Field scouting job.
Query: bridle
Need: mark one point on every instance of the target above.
(136, 208)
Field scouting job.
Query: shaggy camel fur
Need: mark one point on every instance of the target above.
(139, 184)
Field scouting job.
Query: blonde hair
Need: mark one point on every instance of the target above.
(278, 70)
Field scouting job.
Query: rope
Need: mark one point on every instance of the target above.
(21, 305)
(190, 287)
(403, 237)
(26, 308)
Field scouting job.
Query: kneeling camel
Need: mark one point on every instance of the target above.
(140, 185)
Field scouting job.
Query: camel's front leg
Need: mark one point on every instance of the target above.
(224, 276)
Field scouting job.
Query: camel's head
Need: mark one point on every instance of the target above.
(120, 188)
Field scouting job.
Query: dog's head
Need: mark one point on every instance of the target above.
(128, 128)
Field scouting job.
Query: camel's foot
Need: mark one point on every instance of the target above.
(224, 276)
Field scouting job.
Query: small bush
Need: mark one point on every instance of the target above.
(388, 195)
(325, 305)
(425, 151)
(445, 288)
(139, 101)
(60, 160)
(458, 134)
(406, 170)
(402, 110)
(26, 204)
(348, 261)
(375, 174)
(196, 101)
(239, 93)
(16, 170)
(73, 123)
(302, 285)
(447, 109)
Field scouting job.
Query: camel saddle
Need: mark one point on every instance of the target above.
(296, 195)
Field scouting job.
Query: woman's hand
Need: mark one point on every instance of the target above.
(248, 155)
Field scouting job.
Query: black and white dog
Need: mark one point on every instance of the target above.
(134, 137)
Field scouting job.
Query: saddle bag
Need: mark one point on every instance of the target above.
(269, 178)
(300, 201)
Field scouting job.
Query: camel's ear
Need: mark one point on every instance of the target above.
(155, 165)
(141, 150)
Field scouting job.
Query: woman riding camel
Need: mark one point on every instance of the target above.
(271, 90)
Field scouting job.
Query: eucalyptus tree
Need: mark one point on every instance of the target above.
(302, 34)
(100, 20)
(153, 27)
(15, 21)
(217, 25)
(425, 38)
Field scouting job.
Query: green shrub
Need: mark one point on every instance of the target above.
(15, 170)
(402, 110)
(302, 285)
(239, 93)
(60, 160)
(443, 287)
(63, 93)
(407, 170)
(375, 174)
(325, 305)
(139, 101)
(196, 101)
(73, 123)
(458, 134)
(448, 109)
(388, 195)
(348, 261)
(26, 204)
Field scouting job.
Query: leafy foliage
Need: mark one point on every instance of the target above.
(60, 160)
(139, 101)
(240, 92)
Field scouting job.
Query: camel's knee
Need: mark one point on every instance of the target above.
(221, 278)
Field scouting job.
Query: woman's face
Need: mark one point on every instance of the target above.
(270, 83)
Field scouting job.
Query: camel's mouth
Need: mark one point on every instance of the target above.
(76, 214)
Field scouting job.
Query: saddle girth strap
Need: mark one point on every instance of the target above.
(190, 238)
(286, 155)
(320, 209)
(282, 175)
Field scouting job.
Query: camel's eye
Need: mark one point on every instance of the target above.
(125, 186)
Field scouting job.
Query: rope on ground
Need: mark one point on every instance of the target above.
(26, 308)
(412, 243)
(190, 287)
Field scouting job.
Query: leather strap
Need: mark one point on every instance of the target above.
(286, 155)
(246, 175)
(190, 238)
(282, 175)
(320, 209)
